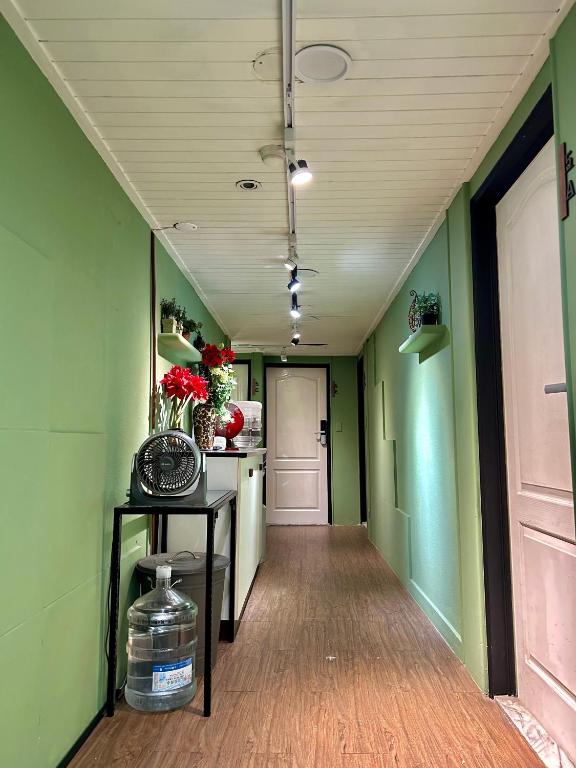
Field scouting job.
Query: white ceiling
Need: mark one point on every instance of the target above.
(166, 90)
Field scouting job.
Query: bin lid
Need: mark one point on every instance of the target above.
(183, 563)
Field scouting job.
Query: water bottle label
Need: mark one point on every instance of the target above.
(169, 677)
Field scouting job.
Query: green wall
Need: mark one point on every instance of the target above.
(74, 296)
(423, 475)
(343, 434)
(170, 282)
(414, 509)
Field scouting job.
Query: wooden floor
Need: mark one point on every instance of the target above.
(334, 665)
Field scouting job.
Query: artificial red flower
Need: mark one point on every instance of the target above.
(181, 383)
(212, 356)
(228, 355)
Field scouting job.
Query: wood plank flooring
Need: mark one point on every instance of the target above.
(334, 666)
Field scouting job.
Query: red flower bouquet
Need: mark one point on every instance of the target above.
(217, 368)
(180, 386)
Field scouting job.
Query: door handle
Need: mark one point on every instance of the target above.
(322, 435)
(552, 389)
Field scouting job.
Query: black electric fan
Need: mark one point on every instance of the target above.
(166, 466)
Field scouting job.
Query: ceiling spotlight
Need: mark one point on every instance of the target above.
(294, 284)
(299, 173)
(295, 309)
(290, 263)
(295, 331)
(283, 357)
(295, 341)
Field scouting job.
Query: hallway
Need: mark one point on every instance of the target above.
(334, 665)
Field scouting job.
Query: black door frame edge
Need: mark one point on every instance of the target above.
(526, 144)
(328, 370)
(361, 384)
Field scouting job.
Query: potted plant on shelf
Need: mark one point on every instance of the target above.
(199, 342)
(190, 327)
(216, 368)
(168, 312)
(176, 390)
(180, 318)
(427, 307)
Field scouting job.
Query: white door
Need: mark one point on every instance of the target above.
(297, 460)
(538, 451)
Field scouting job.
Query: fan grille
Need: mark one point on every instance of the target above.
(168, 463)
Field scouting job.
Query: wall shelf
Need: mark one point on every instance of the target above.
(175, 348)
(424, 337)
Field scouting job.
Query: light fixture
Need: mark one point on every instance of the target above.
(295, 309)
(295, 341)
(300, 173)
(322, 64)
(295, 331)
(283, 357)
(294, 284)
(248, 185)
(289, 264)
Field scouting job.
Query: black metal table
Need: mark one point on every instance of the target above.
(214, 501)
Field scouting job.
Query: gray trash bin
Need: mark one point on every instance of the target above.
(191, 568)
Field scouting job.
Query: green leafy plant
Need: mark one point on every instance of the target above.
(180, 315)
(168, 308)
(427, 304)
(191, 326)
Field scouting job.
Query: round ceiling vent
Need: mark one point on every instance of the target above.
(322, 64)
(248, 185)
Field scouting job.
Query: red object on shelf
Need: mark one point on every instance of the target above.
(232, 427)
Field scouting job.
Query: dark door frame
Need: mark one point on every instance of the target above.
(536, 131)
(327, 368)
(361, 383)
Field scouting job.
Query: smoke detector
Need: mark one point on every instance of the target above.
(322, 64)
(273, 155)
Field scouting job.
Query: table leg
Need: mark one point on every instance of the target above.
(208, 614)
(232, 602)
(164, 534)
(113, 615)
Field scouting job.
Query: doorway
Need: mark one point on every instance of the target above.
(540, 501)
(298, 444)
(528, 562)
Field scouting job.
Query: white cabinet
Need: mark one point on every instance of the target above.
(243, 473)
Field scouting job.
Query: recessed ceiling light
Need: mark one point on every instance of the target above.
(248, 185)
(322, 64)
(185, 226)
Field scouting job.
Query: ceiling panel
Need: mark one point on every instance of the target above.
(169, 88)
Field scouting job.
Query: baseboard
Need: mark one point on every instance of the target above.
(75, 748)
(224, 632)
(446, 629)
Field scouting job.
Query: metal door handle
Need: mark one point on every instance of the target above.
(552, 389)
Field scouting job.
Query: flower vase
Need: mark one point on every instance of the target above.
(204, 426)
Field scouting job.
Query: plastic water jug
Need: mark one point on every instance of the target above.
(161, 647)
